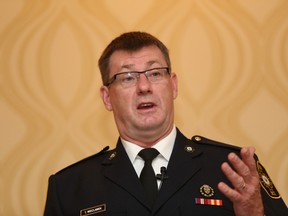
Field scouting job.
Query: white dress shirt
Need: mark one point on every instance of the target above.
(164, 146)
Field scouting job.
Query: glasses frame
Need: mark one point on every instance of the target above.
(114, 77)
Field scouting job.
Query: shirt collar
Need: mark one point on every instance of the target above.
(164, 146)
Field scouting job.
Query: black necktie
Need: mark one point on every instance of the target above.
(147, 176)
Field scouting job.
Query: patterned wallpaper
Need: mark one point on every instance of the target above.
(231, 58)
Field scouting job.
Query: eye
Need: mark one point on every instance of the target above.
(127, 77)
(155, 74)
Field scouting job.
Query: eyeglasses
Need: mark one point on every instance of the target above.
(129, 79)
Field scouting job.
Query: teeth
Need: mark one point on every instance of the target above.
(146, 105)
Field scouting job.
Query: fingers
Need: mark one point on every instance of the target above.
(241, 169)
(231, 194)
(242, 174)
(245, 167)
(247, 154)
(235, 178)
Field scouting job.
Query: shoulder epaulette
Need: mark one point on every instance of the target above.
(105, 149)
(202, 140)
(265, 181)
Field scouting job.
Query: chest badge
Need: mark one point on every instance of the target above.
(206, 190)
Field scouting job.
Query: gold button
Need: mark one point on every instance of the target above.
(197, 138)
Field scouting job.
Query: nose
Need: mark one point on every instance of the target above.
(143, 84)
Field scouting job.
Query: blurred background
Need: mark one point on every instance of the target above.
(231, 58)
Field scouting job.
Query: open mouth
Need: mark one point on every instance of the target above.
(144, 106)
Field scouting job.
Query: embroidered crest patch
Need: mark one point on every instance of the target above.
(266, 182)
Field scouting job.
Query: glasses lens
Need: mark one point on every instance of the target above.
(128, 79)
(156, 74)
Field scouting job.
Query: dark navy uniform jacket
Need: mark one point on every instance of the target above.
(107, 184)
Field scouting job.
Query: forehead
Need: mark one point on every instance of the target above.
(136, 60)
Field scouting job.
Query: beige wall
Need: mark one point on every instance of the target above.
(230, 57)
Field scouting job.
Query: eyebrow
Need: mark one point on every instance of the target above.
(149, 63)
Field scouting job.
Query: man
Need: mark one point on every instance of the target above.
(193, 177)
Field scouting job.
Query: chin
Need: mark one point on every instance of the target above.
(151, 126)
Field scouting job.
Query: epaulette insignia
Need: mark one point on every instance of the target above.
(112, 156)
(189, 149)
(266, 182)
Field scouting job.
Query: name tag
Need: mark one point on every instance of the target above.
(93, 210)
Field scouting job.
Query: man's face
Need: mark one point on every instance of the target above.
(144, 111)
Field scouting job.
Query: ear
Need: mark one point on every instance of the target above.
(104, 93)
(174, 85)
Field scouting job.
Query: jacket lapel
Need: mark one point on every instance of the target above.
(185, 156)
(118, 168)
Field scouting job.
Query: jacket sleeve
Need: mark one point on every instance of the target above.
(273, 207)
(272, 201)
(52, 207)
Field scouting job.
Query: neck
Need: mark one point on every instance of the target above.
(147, 140)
